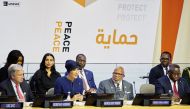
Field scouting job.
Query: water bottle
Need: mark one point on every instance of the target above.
(68, 96)
(170, 94)
(125, 96)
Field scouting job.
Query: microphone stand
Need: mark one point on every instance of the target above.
(134, 87)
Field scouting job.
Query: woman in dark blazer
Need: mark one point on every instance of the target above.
(45, 77)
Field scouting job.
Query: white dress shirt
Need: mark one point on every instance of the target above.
(83, 77)
(172, 84)
(120, 84)
(165, 70)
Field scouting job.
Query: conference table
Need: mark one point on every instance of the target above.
(125, 106)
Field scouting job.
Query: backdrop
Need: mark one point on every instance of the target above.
(106, 31)
(129, 32)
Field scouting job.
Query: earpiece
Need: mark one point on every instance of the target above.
(123, 75)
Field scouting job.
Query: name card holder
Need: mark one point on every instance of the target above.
(61, 104)
(11, 105)
(157, 102)
(109, 103)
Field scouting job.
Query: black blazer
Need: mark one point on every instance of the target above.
(155, 73)
(3, 74)
(41, 83)
(163, 85)
(6, 88)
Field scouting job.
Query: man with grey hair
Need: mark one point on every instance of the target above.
(15, 85)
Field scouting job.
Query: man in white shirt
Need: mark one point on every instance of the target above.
(86, 75)
(15, 85)
(160, 69)
(173, 83)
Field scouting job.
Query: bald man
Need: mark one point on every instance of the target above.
(117, 85)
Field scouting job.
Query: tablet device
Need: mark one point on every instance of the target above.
(91, 98)
(39, 100)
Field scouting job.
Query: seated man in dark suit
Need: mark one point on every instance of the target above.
(70, 83)
(86, 75)
(15, 85)
(173, 83)
(117, 85)
(161, 69)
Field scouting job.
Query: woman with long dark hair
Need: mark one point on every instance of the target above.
(14, 57)
(45, 77)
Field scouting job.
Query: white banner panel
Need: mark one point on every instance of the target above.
(106, 31)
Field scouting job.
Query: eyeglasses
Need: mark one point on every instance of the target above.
(165, 59)
(176, 74)
(117, 73)
(81, 60)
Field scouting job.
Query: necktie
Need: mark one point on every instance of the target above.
(166, 68)
(118, 88)
(19, 92)
(81, 72)
(175, 90)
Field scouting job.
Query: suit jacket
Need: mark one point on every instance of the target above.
(89, 77)
(64, 85)
(107, 86)
(41, 83)
(163, 85)
(155, 73)
(3, 74)
(186, 75)
(7, 89)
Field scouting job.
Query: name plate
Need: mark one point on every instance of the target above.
(61, 104)
(110, 103)
(11, 105)
(157, 102)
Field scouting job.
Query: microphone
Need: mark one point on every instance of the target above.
(143, 77)
(134, 87)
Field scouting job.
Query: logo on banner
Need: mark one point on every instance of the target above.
(11, 3)
(84, 3)
(115, 39)
(62, 37)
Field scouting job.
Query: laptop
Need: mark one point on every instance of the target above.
(8, 98)
(186, 99)
(139, 98)
(91, 98)
(40, 100)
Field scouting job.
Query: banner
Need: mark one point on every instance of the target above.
(106, 31)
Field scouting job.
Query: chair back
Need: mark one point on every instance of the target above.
(50, 91)
(147, 89)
